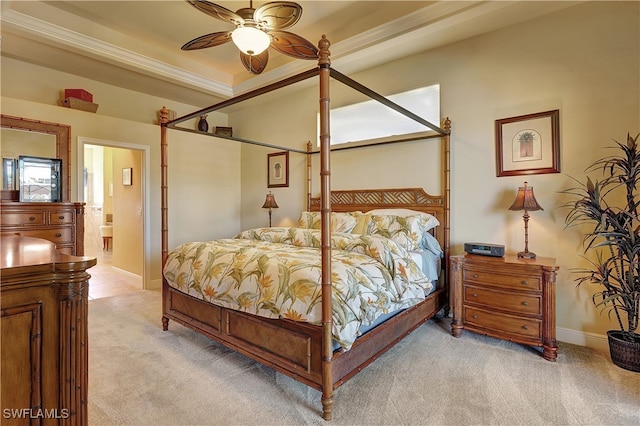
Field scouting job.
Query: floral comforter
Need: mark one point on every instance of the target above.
(276, 273)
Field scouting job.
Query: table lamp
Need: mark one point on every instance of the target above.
(525, 200)
(270, 203)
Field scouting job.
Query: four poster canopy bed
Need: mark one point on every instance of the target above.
(320, 301)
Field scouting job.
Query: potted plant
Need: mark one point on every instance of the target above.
(609, 208)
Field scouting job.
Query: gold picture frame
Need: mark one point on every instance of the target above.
(528, 144)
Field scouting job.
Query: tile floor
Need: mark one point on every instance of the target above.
(105, 281)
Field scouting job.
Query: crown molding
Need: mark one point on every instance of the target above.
(98, 49)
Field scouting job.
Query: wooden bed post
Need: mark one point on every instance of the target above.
(325, 199)
(309, 149)
(164, 204)
(163, 120)
(447, 202)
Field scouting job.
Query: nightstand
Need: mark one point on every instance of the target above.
(507, 298)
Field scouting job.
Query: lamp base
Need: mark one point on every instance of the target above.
(526, 255)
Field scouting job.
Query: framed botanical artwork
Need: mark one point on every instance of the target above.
(278, 169)
(528, 144)
(126, 176)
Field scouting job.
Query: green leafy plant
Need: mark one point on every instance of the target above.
(610, 208)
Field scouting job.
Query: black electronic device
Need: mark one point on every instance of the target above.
(484, 249)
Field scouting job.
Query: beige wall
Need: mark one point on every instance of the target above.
(583, 61)
(127, 212)
(129, 117)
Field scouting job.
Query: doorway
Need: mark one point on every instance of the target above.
(114, 176)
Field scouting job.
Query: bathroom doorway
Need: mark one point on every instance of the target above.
(113, 189)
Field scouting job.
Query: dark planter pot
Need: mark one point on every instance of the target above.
(624, 353)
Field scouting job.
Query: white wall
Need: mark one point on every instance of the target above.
(583, 61)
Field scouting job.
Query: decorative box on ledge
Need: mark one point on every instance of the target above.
(79, 99)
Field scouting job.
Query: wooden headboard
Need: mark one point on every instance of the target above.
(402, 198)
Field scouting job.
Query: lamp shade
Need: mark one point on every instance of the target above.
(270, 202)
(525, 200)
(250, 40)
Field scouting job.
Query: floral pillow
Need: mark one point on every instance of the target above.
(407, 231)
(340, 222)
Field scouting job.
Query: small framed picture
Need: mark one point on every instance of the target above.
(126, 176)
(224, 131)
(278, 169)
(528, 144)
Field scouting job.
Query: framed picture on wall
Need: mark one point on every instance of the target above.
(528, 144)
(278, 169)
(126, 176)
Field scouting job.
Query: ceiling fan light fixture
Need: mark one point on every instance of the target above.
(250, 40)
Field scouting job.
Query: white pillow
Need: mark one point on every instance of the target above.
(395, 212)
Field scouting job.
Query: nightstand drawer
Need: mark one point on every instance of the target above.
(503, 323)
(515, 302)
(519, 282)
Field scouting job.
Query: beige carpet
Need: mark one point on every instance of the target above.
(141, 375)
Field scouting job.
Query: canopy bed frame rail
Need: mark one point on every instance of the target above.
(303, 351)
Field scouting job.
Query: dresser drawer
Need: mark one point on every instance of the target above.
(503, 323)
(521, 282)
(58, 236)
(22, 218)
(61, 217)
(518, 303)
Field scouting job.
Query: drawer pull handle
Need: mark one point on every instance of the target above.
(526, 327)
(525, 303)
(525, 282)
(475, 275)
(474, 295)
(32, 218)
(474, 317)
(58, 235)
(60, 217)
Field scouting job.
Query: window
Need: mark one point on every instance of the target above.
(370, 119)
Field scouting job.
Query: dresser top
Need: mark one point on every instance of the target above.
(19, 253)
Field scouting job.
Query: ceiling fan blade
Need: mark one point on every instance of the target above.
(255, 64)
(217, 11)
(208, 40)
(293, 45)
(277, 15)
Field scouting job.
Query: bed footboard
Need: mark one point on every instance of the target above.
(293, 348)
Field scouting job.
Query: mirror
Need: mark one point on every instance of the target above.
(24, 136)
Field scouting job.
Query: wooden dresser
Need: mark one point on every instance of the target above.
(61, 223)
(506, 297)
(44, 298)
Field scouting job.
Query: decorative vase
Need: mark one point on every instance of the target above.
(203, 126)
(624, 353)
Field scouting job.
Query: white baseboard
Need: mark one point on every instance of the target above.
(598, 342)
(154, 284)
(127, 273)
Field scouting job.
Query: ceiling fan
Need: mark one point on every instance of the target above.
(256, 30)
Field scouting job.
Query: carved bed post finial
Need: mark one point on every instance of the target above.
(163, 116)
(447, 124)
(323, 51)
